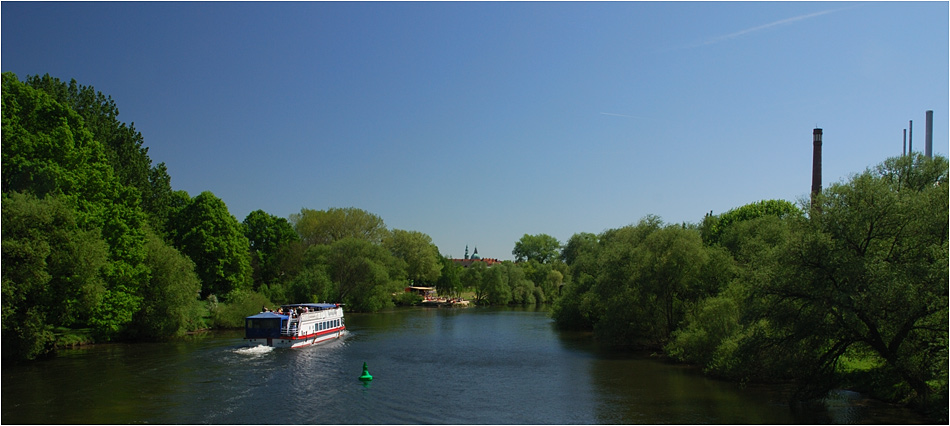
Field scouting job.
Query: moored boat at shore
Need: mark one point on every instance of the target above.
(295, 325)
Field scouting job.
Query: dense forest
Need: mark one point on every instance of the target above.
(847, 289)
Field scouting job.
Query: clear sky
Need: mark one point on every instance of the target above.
(477, 123)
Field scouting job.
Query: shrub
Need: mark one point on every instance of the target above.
(240, 305)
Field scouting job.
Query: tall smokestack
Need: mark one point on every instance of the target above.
(910, 142)
(905, 143)
(929, 135)
(816, 164)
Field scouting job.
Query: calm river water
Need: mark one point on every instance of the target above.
(431, 365)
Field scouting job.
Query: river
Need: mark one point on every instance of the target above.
(431, 365)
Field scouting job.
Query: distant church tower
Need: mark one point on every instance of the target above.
(466, 251)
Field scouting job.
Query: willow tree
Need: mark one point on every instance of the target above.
(868, 272)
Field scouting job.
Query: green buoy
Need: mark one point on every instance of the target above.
(366, 377)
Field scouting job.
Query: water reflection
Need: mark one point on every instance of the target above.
(443, 366)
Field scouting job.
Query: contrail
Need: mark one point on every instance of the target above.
(731, 36)
(621, 115)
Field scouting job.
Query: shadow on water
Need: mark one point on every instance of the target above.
(636, 387)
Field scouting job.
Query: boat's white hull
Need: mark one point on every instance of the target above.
(295, 325)
(300, 341)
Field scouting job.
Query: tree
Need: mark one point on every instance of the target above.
(574, 307)
(51, 273)
(416, 249)
(579, 245)
(542, 248)
(123, 146)
(713, 227)
(638, 282)
(48, 151)
(669, 267)
(312, 285)
(472, 279)
(215, 241)
(327, 226)
(495, 287)
(523, 290)
(170, 304)
(365, 275)
(868, 270)
(268, 236)
(450, 280)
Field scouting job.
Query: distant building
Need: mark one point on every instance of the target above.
(469, 260)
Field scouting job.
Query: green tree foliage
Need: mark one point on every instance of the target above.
(416, 249)
(863, 276)
(47, 151)
(869, 269)
(326, 226)
(524, 291)
(542, 248)
(241, 304)
(713, 227)
(290, 264)
(312, 285)
(472, 278)
(575, 307)
(637, 284)
(578, 252)
(269, 238)
(123, 145)
(364, 275)
(170, 304)
(495, 288)
(212, 238)
(546, 279)
(450, 278)
(51, 273)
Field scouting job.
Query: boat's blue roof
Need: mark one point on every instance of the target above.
(267, 315)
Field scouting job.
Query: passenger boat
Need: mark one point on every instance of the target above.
(295, 325)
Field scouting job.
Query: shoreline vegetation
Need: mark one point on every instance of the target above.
(846, 290)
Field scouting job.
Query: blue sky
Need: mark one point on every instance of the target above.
(477, 123)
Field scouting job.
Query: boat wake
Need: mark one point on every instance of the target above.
(254, 350)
